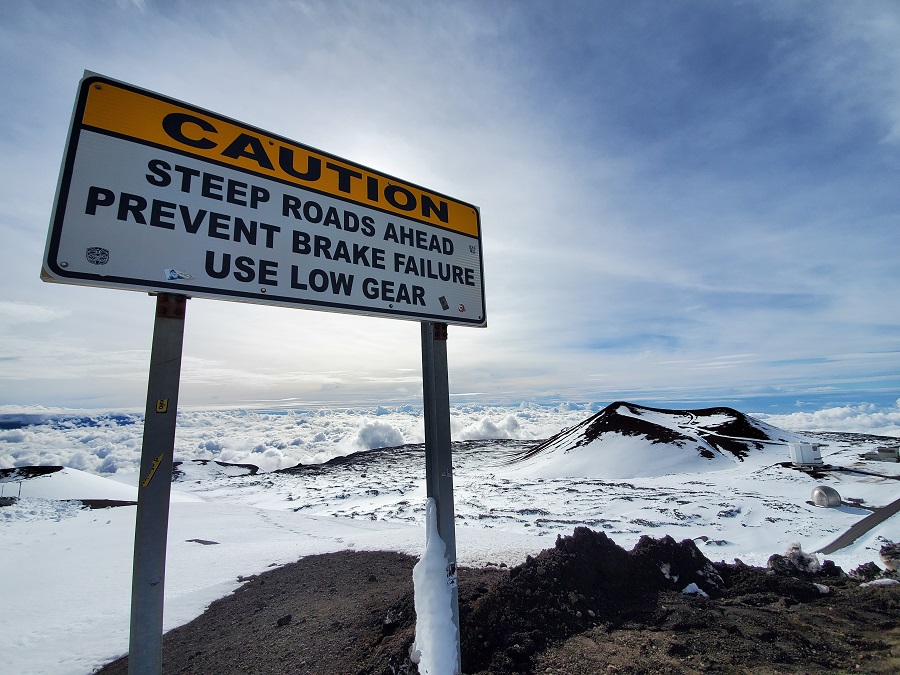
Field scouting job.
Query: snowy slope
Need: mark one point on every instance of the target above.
(625, 440)
(64, 483)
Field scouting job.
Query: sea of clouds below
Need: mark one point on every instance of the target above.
(109, 442)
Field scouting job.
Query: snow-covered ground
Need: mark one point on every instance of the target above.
(65, 571)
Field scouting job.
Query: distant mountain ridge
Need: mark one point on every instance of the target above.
(711, 433)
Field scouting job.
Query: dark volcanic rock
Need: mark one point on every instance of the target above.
(26, 472)
(890, 556)
(585, 580)
(866, 572)
(679, 565)
(551, 596)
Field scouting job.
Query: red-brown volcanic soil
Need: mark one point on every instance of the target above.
(584, 606)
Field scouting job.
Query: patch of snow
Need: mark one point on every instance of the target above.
(435, 649)
(694, 589)
(805, 562)
(38, 508)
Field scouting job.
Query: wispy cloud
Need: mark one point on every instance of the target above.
(12, 313)
(663, 187)
(864, 418)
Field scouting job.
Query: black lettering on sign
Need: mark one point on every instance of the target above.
(378, 258)
(321, 281)
(405, 200)
(389, 291)
(440, 209)
(268, 270)
(345, 175)
(134, 205)
(251, 147)
(165, 215)
(160, 211)
(198, 132)
(159, 173)
(351, 221)
(342, 252)
(212, 186)
(243, 268)
(312, 212)
(258, 195)
(247, 232)
(424, 267)
(361, 255)
(320, 246)
(290, 206)
(405, 203)
(211, 267)
(318, 280)
(218, 225)
(332, 218)
(410, 236)
(294, 207)
(174, 124)
(286, 162)
(191, 224)
(300, 242)
(270, 231)
(98, 196)
(187, 176)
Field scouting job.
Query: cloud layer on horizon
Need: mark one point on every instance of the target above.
(109, 442)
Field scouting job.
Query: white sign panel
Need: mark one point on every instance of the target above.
(159, 196)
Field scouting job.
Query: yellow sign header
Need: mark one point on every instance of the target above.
(135, 114)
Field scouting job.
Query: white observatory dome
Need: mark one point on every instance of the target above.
(825, 496)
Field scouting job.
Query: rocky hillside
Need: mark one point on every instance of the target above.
(625, 439)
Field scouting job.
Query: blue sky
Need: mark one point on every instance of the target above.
(683, 203)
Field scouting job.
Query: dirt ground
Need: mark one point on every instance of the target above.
(584, 606)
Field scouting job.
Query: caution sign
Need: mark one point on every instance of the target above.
(157, 195)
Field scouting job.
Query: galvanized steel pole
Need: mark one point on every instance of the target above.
(438, 458)
(154, 487)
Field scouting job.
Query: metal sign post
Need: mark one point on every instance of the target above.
(154, 488)
(438, 458)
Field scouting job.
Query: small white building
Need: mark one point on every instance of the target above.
(806, 454)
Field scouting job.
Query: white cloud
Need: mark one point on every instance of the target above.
(377, 434)
(862, 419)
(12, 313)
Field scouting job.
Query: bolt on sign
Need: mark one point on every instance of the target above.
(161, 196)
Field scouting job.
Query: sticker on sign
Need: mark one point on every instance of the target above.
(158, 195)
